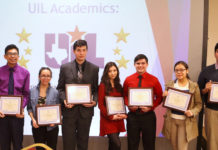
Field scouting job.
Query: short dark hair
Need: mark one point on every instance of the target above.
(11, 46)
(140, 56)
(79, 43)
(216, 47)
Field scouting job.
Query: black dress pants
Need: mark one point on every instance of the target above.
(41, 135)
(114, 141)
(141, 123)
(11, 131)
(75, 132)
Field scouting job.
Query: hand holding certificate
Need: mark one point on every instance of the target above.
(48, 114)
(140, 96)
(115, 105)
(78, 93)
(213, 95)
(11, 105)
(177, 100)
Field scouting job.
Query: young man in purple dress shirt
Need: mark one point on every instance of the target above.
(11, 127)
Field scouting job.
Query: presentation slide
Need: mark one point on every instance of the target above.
(116, 30)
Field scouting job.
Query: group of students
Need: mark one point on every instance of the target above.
(179, 127)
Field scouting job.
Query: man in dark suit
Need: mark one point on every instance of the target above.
(77, 118)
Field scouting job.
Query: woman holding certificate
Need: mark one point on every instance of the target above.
(110, 125)
(181, 126)
(41, 95)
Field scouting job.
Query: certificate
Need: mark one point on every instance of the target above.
(48, 114)
(177, 99)
(78, 93)
(213, 95)
(115, 105)
(11, 105)
(140, 96)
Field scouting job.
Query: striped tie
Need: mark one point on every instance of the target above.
(80, 75)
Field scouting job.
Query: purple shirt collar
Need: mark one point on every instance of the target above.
(15, 67)
(21, 82)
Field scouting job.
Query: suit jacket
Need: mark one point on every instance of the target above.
(190, 123)
(68, 75)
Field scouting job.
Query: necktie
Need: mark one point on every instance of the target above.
(11, 82)
(140, 81)
(139, 85)
(80, 75)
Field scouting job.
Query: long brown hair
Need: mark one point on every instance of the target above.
(106, 80)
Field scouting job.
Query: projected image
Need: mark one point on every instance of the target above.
(115, 30)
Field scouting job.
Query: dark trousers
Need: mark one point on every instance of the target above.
(41, 135)
(114, 141)
(141, 123)
(11, 131)
(75, 131)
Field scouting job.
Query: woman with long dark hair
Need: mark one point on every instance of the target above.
(181, 127)
(43, 94)
(110, 125)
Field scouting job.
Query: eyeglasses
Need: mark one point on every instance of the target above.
(179, 70)
(12, 54)
(43, 76)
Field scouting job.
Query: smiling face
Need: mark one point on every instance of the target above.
(141, 66)
(12, 57)
(181, 72)
(45, 77)
(112, 72)
(80, 53)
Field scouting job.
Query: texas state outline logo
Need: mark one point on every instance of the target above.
(59, 48)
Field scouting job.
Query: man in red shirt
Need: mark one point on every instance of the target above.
(142, 119)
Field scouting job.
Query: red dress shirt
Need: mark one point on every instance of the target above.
(107, 125)
(148, 81)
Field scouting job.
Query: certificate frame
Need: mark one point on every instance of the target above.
(169, 101)
(138, 92)
(40, 109)
(71, 99)
(112, 100)
(18, 104)
(213, 94)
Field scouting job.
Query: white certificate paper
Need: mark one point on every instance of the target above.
(140, 97)
(10, 105)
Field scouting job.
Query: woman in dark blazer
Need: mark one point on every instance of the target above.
(114, 124)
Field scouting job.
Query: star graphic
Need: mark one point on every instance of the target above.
(23, 36)
(121, 36)
(122, 62)
(28, 51)
(23, 62)
(117, 51)
(76, 35)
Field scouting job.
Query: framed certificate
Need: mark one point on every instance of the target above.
(48, 114)
(140, 96)
(11, 105)
(177, 100)
(213, 95)
(78, 93)
(115, 105)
